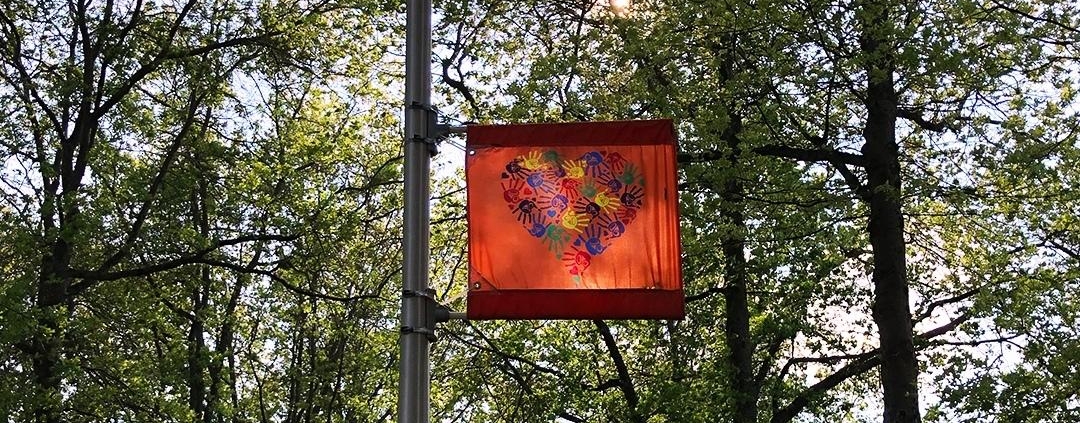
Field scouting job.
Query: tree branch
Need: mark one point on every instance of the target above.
(1075, 255)
(159, 180)
(713, 290)
(922, 122)
(943, 329)
(946, 301)
(839, 160)
(165, 55)
(89, 278)
(491, 348)
(626, 385)
(1036, 18)
(292, 287)
(28, 91)
(811, 155)
(861, 363)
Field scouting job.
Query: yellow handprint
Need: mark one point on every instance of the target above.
(531, 161)
(575, 169)
(606, 201)
(574, 222)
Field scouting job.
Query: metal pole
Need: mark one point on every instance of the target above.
(417, 314)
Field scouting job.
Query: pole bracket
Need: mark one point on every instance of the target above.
(430, 313)
(443, 314)
(433, 131)
(428, 133)
(444, 130)
(427, 293)
(427, 332)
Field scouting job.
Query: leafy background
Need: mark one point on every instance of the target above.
(201, 210)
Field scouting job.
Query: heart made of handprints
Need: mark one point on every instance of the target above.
(576, 206)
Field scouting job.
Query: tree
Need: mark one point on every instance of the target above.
(866, 96)
(177, 175)
(201, 208)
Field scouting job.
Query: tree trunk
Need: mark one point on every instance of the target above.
(899, 366)
(195, 368)
(200, 399)
(45, 346)
(625, 383)
(736, 306)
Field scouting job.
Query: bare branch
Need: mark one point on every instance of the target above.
(811, 155)
(89, 278)
(1075, 255)
(859, 366)
(918, 119)
(626, 385)
(943, 329)
(831, 359)
(713, 290)
(1053, 22)
(946, 301)
(166, 55)
(838, 159)
(861, 363)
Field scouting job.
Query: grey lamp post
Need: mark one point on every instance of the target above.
(417, 307)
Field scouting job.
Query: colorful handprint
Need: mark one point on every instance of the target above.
(577, 207)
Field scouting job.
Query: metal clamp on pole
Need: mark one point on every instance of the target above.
(428, 132)
(427, 332)
(443, 314)
(444, 129)
(430, 313)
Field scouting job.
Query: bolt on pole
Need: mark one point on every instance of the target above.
(417, 307)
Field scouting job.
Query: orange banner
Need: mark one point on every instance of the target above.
(573, 221)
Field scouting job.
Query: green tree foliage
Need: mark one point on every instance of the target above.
(201, 210)
(195, 195)
(877, 238)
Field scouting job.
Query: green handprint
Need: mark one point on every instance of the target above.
(630, 176)
(551, 156)
(589, 189)
(555, 238)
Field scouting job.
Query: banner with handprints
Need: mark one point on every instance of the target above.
(574, 220)
(576, 206)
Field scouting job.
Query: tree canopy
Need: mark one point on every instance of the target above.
(201, 206)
